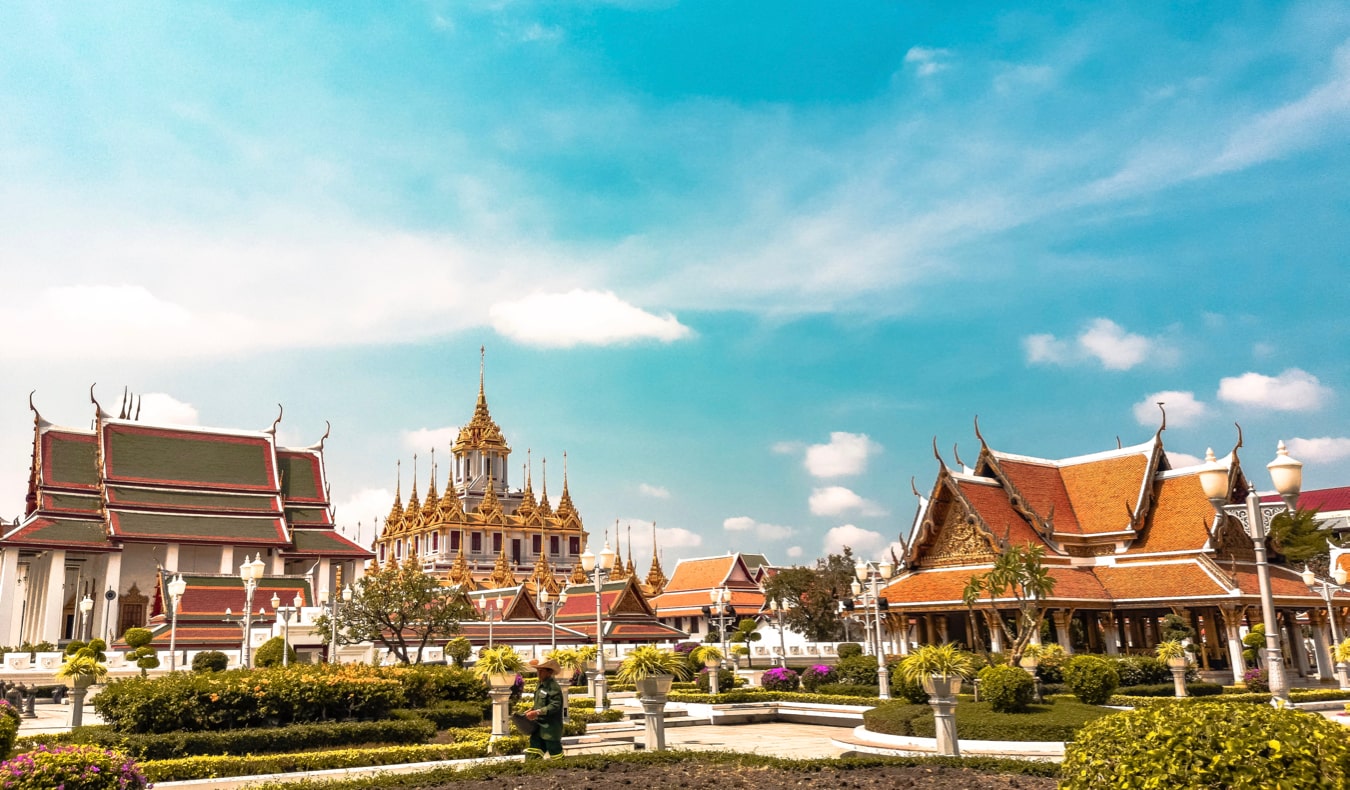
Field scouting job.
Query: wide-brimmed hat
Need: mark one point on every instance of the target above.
(537, 665)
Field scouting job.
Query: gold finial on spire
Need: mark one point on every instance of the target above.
(545, 509)
(501, 573)
(481, 432)
(567, 512)
(631, 570)
(656, 578)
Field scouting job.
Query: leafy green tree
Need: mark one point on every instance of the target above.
(401, 607)
(268, 653)
(1298, 536)
(141, 653)
(746, 633)
(811, 595)
(1020, 575)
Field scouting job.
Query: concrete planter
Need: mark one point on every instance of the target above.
(654, 686)
(939, 686)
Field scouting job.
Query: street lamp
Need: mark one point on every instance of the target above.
(86, 606)
(285, 612)
(1328, 590)
(1287, 475)
(875, 573)
(332, 604)
(250, 572)
(600, 570)
(176, 589)
(721, 611)
(545, 600)
(778, 610)
(487, 608)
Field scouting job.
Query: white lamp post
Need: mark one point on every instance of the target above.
(600, 570)
(250, 572)
(1287, 475)
(1328, 591)
(332, 603)
(551, 606)
(86, 606)
(176, 589)
(777, 609)
(285, 612)
(874, 574)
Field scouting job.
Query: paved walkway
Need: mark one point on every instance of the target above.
(777, 739)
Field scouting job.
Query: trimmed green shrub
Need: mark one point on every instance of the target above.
(848, 690)
(212, 766)
(756, 695)
(426, 685)
(726, 680)
(450, 714)
(1092, 679)
(1006, 689)
(9, 727)
(1189, 746)
(1142, 671)
(261, 740)
(592, 716)
(210, 661)
(857, 670)
(72, 768)
(979, 721)
(780, 679)
(907, 688)
(1052, 658)
(1170, 689)
(817, 675)
(895, 717)
(268, 653)
(458, 650)
(848, 650)
(141, 653)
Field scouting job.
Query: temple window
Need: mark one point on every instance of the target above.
(537, 543)
(574, 545)
(553, 544)
(382, 552)
(398, 549)
(435, 542)
(496, 542)
(454, 540)
(476, 542)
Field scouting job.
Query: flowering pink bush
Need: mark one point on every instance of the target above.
(780, 679)
(816, 676)
(71, 768)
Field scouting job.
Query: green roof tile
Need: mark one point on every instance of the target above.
(68, 459)
(44, 531)
(300, 477)
(131, 496)
(324, 542)
(211, 529)
(141, 454)
(79, 503)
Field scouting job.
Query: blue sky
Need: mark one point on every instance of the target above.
(741, 261)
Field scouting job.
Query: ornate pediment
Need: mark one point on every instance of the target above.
(961, 540)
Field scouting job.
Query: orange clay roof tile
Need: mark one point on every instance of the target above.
(1105, 492)
(1179, 519)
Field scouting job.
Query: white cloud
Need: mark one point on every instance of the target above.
(656, 492)
(1179, 460)
(581, 317)
(423, 439)
(1292, 390)
(1322, 450)
(364, 507)
(1014, 79)
(846, 454)
(668, 539)
(864, 542)
(787, 448)
(1182, 408)
(1103, 340)
(762, 530)
(927, 61)
(162, 408)
(794, 552)
(835, 500)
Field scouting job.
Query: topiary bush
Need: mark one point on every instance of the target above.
(1007, 689)
(268, 653)
(72, 768)
(458, 650)
(141, 653)
(210, 661)
(856, 670)
(813, 677)
(1142, 671)
(726, 680)
(9, 727)
(780, 679)
(1197, 746)
(1092, 679)
(848, 650)
(1052, 659)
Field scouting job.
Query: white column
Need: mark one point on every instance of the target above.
(1110, 633)
(55, 597)
(35, 589)
(358, 570)
(278, 563)
(9, 581)
(325, 578)
(171, 557)
(1321, 638)
(105, 611)
(1295, 642)
(1062, 620)
(227, 560)
(995, 632)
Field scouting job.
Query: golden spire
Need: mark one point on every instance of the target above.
(412, 514)
(619, 572)
(527, 504)
(544, 509)
(395, 518)
(632, 571)
(578, 575)
(566, 510)
(429, 506)
(490, 506)
(543, 578)
(450, 510)
(481, 433)
(501, 573)
(656, 578)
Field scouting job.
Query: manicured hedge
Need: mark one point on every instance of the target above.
(262, 740)
(1188, 746)
(1318, 695)
(895, 718)
(506, 774)
(450, 714)
(848, 690)
(978, 721)
(747, 695)
(1170, 690)
(208, 767)
(592, 716)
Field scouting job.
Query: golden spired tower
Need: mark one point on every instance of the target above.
(479, 532)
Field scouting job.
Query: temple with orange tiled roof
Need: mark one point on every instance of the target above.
(689, 593)
(1128, 539)
(113, 510)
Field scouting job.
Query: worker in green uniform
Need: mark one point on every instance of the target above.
(547, 712)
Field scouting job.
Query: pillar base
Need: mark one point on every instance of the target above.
(501, 711)
(944, 716)
(653, 712)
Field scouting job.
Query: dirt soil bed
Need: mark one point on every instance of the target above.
(696, 776)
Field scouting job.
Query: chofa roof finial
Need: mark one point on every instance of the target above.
(273, 430)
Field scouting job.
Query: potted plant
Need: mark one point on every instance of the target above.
(82, 669)
(710, 656)
(652, 670)
(1031, 658)
(588, 654)
(498, 665)
(1173, 653)
(939, 668)
(570, 660)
